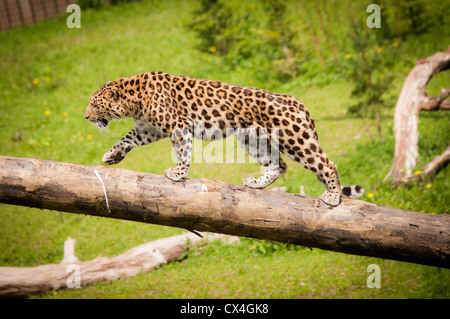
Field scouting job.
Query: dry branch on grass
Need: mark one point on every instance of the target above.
(18, 282)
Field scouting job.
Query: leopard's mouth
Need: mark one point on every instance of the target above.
(102, 123)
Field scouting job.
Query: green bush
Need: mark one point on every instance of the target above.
(254, 33)
(85, 4)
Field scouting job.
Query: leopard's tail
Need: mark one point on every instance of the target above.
(353, 191)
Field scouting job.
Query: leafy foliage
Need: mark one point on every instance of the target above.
(368, 69)
(84, 4)
(259, 33)
(286, 40)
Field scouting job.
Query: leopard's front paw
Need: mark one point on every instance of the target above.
(332, 199)
(253, 183)
(175, 174)
(113, 156)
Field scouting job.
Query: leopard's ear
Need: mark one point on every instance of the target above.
(111, 93)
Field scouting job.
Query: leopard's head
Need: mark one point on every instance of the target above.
(105, 105)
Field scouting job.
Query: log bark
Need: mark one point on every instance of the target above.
(19, 282)
(353, 227)
(412, 99)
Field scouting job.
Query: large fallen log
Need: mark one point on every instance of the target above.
(18, 282)
(354, 227)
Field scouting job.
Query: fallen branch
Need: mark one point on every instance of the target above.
(436, 103)
(432, 168)
(16, 282)
(437, 163)
(353, 227)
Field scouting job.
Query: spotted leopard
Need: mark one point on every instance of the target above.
(182, 108)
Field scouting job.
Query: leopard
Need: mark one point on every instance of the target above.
(183, 108)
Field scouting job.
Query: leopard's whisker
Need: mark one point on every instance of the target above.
(104, 128)
(108, 131)
(96, 125)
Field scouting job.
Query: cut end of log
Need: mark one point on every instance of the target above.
(69, 251)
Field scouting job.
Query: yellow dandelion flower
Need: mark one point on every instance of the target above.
(365, 55)
(403, 179)
(212, 49)
(251, 81)
(370, 195)
(35, 81)
(395, 44)
(252, 247)
(47, 112)
(382, 76)
(429, 185)
(377, 49)
(400, 206)
(405, 68)
(89, 137)
(348, 56)
(417, 172)
(64, 114)
(422, 211)
(47, 79)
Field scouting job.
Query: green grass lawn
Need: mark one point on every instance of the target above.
(50, 71)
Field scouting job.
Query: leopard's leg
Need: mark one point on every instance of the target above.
(309, 154)
(182, 144)
(138, 136)
(259, 146)
(330, 178)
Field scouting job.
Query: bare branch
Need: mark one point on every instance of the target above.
(437, 163)
(412, 99)
(437, 103)
(432, 168)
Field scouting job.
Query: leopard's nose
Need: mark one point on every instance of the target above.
(87, 114)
